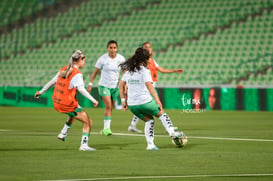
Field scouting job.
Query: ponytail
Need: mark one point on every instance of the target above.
(64, 74)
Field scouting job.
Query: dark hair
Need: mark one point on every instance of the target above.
(112, 41)
(133, 63)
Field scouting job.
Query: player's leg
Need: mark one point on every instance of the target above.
(87, 125)
(149, 133)
(107, 115)
(132, 127)
(105, 94)
(167, 123)
(63, 134)
(149, 126)
(154, 110)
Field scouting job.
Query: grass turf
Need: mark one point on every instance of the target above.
(29, 149)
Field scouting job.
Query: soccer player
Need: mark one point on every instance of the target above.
(142, 99)
(108, 63)
(67, 81)
(154, 67)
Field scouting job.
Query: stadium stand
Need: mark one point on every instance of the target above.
(17, 10)
(215, 42)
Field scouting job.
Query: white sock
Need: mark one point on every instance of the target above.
(107, 123)
(167, 123)
(65, 129)
(134, 121)
(149, 132)
(85, 138)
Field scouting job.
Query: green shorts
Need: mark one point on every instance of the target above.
(105, 91)
(150, 108)
(73, 114)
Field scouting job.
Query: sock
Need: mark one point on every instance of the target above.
(134, 121)
(149, 132)
(167, 123)
(66, 128)
(107, 122)
(85, 137)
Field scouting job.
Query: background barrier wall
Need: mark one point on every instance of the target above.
(215, 98)
(248, 99)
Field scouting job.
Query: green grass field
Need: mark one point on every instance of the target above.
(222, 146)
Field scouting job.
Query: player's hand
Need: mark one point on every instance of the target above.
(179, 70)
(159, 104)
(124, 106)
(95, 104)
(89, 88)
(37, 94)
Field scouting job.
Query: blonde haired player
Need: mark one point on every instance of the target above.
(153, 67)
(67, 81)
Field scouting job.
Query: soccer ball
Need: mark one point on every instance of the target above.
(180, 141)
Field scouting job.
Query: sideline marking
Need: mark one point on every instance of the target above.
(200, 137)
(231, 139)
(168, 177)
(133, 134)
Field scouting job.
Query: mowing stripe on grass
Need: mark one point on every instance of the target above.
(3, 130)
(168, 177)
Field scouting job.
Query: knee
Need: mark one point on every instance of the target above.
(160, 113)
(108, 107)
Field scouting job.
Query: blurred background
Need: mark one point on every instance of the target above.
(224, 46)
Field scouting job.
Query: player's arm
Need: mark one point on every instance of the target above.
(47, 86)
(93, 76)
(151, 89)
(122, 93)
(164, 70)
(78, 83)
(86, 94)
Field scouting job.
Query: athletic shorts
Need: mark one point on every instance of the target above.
(105, 91)
(150, 108)
(74, 113)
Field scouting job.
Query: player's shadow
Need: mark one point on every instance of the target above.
(187, 147)
(114, 146)
(34, 149)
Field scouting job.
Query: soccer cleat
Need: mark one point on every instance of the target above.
(183, 135)
(134, 129)
(62, 136)
(86, 148)
(107, 132)
(176, 134)
(152, 148)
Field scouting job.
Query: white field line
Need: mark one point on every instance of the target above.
(169, 177)
(231, 139)
(200, 137)
(133, 134)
